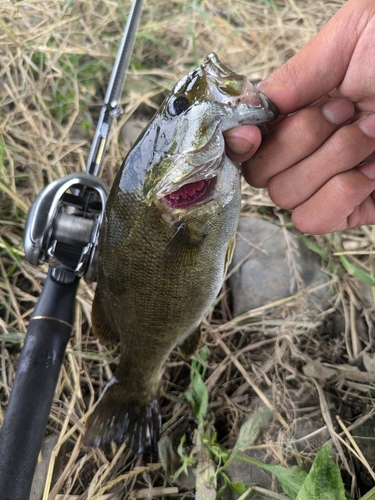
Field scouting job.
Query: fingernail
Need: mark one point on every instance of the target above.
(338, 111)
(240, 146)
(367, 125)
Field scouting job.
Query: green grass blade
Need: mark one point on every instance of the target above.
(360, 274)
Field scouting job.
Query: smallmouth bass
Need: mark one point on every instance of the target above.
(166, 242)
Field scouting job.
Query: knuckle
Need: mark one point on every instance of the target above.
(254, 177)
(280, 194)
(349, 145)
(309, 128)
(302, 222)
(343, 187)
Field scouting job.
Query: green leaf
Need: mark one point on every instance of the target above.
(238, 488)
(197, 395)
(221, 491)
(324, 479)
(370, 495)
(358, 273)
(248, 434)
(167, 454)
(220, 453)
(250, 430)
(291, 480)
(15, 338)
(187, 461)
(314, 247)
(2, 151)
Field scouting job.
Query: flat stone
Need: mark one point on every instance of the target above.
(266, 267)
(248, 474)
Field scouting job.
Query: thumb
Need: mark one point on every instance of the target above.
(321, 65)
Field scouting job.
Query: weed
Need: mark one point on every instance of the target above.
(322, 482)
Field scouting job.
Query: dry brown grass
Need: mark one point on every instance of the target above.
(56, 59)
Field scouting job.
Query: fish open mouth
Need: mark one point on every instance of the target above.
(188, 194)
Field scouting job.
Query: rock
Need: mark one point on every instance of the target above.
(242, 472)
(266, 267)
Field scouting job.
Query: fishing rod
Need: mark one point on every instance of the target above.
(62, 229)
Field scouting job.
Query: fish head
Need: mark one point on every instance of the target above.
(214, 82)
(205, 103)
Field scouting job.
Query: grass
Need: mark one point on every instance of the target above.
(56, 59)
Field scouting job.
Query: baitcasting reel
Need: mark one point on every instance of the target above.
(62, 228)
(63, 224)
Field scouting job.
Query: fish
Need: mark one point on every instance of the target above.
(165, 244)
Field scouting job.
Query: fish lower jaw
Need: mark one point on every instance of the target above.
(189, 194)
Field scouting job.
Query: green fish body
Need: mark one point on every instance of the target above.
(166, 242)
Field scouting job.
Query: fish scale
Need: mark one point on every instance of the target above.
(161, 267)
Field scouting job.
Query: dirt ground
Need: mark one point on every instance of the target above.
(313, 364)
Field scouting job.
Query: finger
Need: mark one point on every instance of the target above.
(242, 142)
(270, 125)
(345, 149)
(298, 136)
(344, 201)
(321, 65)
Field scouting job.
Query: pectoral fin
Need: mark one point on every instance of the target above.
(229, 255)
(191, 343)
(183, 247)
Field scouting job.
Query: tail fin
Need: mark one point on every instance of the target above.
(117, 418)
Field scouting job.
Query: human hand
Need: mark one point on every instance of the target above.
(318, 161)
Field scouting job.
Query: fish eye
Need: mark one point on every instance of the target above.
(179, 105)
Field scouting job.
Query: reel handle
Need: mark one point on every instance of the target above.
(63, 224)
